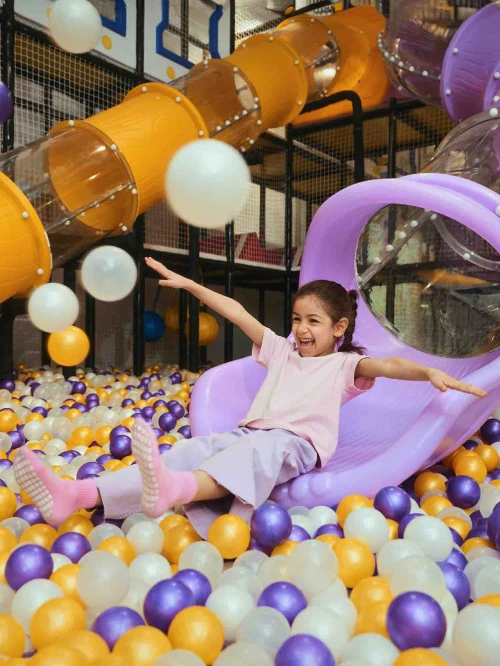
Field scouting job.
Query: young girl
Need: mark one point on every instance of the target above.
(291, 428)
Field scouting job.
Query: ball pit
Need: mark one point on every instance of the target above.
(411, 576)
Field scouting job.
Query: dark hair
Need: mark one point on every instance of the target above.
(338, 303)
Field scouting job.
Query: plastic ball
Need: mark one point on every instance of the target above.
(312, 567)
(369, 591)
(488, 455)
(432, 535)
(207, 183)
(109, 273)
(230, 604)
(73, 545)
(150, 568)
(198, 630)
(476, 635)
(92, 646)
(66, 577)
(103, 532)
(252, 560)
(153, 326)
(103, 579)
(321, 515)
(53, 307)
(428, 481)
(243, 654)
(472, 466)
(140, 646)
(417, 573)
(392, 502)
(349, 504)
(119, 547)
(28, 562)
(415, 619)
(204, 557)
(75, 25)
(490, 430)
(197, 582)
(12, 638)
(180, 537)
(356, 561)
(146, 537)
(114, 622)
(325, 625)
(54, 619)
(265, 627)
(58, 655)
(457, 583)
(370, 649)
(69, 346)
(8, 503)
(285, 598)
(179, 658)
(30, 597)
(369, 526)
(230, 535)
(304, 649)
(420, 657)
(270, 525)
(164, 601)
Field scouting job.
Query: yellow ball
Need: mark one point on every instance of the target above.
(111, 465)
(458, 525)
(58, 655)
(356, 561)
(91, 645)
(349, 504)
(128, 422)
(490, 600)
(373, 619)
(177, 540)
(43, 535)
(471, 466)
(68, 347)
(8, 503)
(35, 416)
(8, 420)
(172, 521)
(82, 436)
(199, 630)
(54, 619)
(12, 638)
(488, 455)
(370, 590)
(120, 547)
(476, 542)
(393, 529)
(102, 434)
(434, 504)
(7, 540)
(329, 539)
(128, 460)
(78, 524)
(419, 657)
(141, 646)
(167, 439)
(65, 577)
(3, 561)
(230, 535)
(428, 481)
(284, 548)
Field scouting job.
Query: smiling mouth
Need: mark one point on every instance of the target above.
(306, 342)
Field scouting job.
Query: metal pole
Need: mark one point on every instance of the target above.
(69, 279)
(194, 303)
(182, 324)
(8, 67)
(262, 305)
(287, 314)
(90, 327)
(390, 293)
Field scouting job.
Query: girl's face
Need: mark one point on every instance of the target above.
(314, 331)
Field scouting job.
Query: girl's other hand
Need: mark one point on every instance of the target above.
(172, 279)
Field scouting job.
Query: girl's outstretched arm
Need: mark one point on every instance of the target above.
(226, 307)
(400, 368)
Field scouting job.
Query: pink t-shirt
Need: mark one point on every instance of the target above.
(304, 394)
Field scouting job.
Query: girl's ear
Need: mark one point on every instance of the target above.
(340, 327)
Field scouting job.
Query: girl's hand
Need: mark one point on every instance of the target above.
(172, 279)
(443, 382)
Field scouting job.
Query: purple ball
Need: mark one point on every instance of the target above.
(167, 422)
(185, 431)
(490, 431)
(106, 457)
(4, 464)
(120, 447)
(176, 409)
(27, 563)
(160, 403)
(7, 384)
(255, 545)
(73, 545)
(470, 445)
(17, 438)
(34, 386)
(415, 619)
(197, 582)
(145, 395)
(81, 408)
(30, 513)
(3, 484)
(493, 525)
(463, 491)
(158, 432)
(148, 412)
(271, 525)
(285, 598)
(298, 533)
(304, 650)
(164, 600)
(127, 402)
(176, 378)
(40, 410)
(392, 502)
(475, 517)
(163, 448)
(457, 538)
(114, 622)
(98, 518)
(118, 430)
(457, 558)
(89, 468)
(457, 583)
(78, 387)
(404, 522)
(480, 529)
(69, 455)
(336, 530)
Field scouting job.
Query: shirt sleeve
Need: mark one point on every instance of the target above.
(272, 346)
(354, 386)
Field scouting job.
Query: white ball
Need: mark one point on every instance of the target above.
(136, 594)
(75, 25)
(371, 650)
(231, 604)
(146, 537)
(102, 532)
(487, 580)
(476, 565)
(274, 570)
(151, 568)
(394, 551)
(332, 600)
(109, 273)
(369, 526)
(476, 635)
(312, 566)
(30, 597)
(265, 627)
(103, 580)
(432, 535)
(243, 578)
(322, 515)
(207, 183)
(6, 597)
(34, 430)
(417, 574)
(179, 658)
(324, 624)
(53, 307)
(203, 557)
(251, 559)
(243, 654)
(59, 560)
(305, 522)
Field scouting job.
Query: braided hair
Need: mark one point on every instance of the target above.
(337, 303)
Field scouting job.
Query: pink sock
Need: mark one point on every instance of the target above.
(57, 499)
(163, 488)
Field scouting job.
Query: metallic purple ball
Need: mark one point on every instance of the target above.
(120, 447)
(158, 432)
(160, 403)
(298, 533)
(17, 438)
(68, 456)
(285, 598)
(270, 525)
(73, 545)
(457, 583)
(148, 412)
(415, 619)
(336, 530)
(118, 430)
(4, 464)
(167, 422)
(185, 431)
(470, 445)
(78, 387)
(490, 430)
(163, 448)
(114, 622)
(302, 649)
(463, 491)
(197, 582)
(456, 536)
(392, 502)
(480, 529)
(27, 563)
(127, 402)
(176, 378)
(30, 513)
(40, 410)
(176, 409)
(145, 395)
(404, 522)
(34, 386)
(164, 600)
(89, 468)
(104, 458)
(8, 384)
(493, 527)
(80, 407)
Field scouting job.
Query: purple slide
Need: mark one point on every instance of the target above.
(398, 427)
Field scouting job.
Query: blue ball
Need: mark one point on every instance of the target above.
(154, 326)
